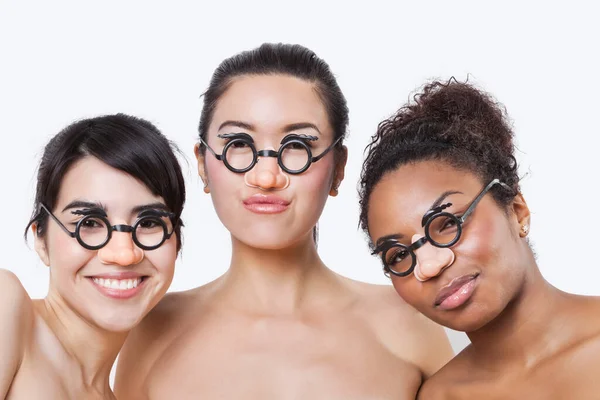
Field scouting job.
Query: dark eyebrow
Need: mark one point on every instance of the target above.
(237, 124)
(436, 203)
(301, 125)
(238, 135)
(292, 136)
(85, 204)
(385, 238)
(150, 207)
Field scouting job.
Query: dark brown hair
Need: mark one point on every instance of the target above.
(283, 59)
(129, 144)
(453, 122)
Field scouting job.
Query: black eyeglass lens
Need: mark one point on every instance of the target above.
(443, 229)
(152, 230)
(93, 231)
(398, 259)
(295, 156)
(239, 154)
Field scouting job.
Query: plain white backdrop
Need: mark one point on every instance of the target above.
(61, 61)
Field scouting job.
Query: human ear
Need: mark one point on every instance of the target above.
(201, 167)
(522, 215)
(341, 157)
(40, 245)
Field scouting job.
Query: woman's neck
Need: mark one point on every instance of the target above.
(531, 328)
(90, 350)
(279, 281)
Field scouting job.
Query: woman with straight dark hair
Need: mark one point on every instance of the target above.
(106, 221)
(278, 324)
(441, 203)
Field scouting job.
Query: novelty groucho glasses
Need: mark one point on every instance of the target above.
(152, 228)
(442, 229)
(294, 155)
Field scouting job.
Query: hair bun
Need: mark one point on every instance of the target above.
(462, 115)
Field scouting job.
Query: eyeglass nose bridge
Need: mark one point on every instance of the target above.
(122, 228)
(267, 153)
(418, 244)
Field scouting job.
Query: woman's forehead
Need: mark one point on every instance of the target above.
(270, 103)
(406, 193)
(92, 180)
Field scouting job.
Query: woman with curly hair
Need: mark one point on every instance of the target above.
(441, 203)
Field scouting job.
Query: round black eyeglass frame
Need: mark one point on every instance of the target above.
(118, 228)
(428, 218)
(247, 139)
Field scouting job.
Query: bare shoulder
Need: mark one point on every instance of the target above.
(432, 390)
(586, 349)
(147, 341)
(444, 384)
(15, 304)
(16, 314)
(405, 331)
(435, 389)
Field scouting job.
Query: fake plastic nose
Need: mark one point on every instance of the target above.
(431, 260)
(267, 175)
(121, 250)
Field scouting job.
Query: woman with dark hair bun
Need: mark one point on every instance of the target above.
(279, 323)
(106, 221)
(441, 204)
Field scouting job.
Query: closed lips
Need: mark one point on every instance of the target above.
(262, 199)
(452, 287)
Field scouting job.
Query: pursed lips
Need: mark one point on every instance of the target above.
(452, 287)
(266, 204)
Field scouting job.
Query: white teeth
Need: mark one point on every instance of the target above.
(118, 284)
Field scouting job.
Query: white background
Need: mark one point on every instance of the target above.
(63, 61)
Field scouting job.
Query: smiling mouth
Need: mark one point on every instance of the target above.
(121, 289)
(118, 284)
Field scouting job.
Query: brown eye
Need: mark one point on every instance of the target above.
(91, 223)
(239, 144)
(396, 255)
(449, 223)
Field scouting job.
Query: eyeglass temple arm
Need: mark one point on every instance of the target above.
(480, 196)
(331, 146)
(217, 156)
(64, 228)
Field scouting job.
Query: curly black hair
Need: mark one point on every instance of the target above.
(453, 122)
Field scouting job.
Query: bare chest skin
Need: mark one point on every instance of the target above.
(234, 356)
(47, 373)
(570, 374)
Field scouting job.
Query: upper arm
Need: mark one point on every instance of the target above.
(133, 363)
(434, 346)
(16, 314)
(430, 390)
(412, 336)
(142, 349)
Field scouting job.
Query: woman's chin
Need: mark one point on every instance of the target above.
(464, 320)
(117, 321)
(119, 325)
(268, 240)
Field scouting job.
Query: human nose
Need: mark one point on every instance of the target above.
(121, 250)
(267, 175)
(431, 260)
